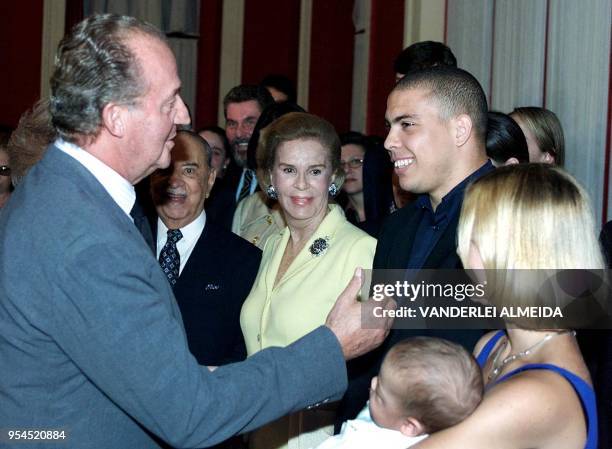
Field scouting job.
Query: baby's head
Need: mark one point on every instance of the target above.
(425, 384)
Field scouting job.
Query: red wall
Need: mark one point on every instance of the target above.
(386, 41)
(271, 39)
(209, 59)
(331, 61)
(20, 53)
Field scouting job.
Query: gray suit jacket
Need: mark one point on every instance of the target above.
(92, 340)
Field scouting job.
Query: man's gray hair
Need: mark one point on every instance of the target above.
(93, 67)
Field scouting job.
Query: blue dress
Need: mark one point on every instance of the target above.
(583, 390)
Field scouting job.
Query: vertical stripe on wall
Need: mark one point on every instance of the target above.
(362, 14)
(518, 75)
(271, 36)
(577, 86)
(470, 37)
(22, 23)
(303, 70)
(209, 58)
(230, 67)
(332, 55)
(386, 41)
(54, 16)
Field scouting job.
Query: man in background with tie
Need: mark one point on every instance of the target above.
(211, 270)
(242, 106)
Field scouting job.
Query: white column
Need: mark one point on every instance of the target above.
(54, 17)
(230, 71)
(303, 71)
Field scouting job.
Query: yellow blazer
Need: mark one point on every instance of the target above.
(256, 219)
(304, 296)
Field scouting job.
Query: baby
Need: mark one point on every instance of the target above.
(425, 384)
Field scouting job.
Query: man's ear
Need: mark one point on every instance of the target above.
(114, 119)
(463, 129)
(511, 161)
(411, 427)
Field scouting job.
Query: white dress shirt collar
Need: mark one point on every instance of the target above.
(119, 188)
(191, 234)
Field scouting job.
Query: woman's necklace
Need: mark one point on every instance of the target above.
(498, 366)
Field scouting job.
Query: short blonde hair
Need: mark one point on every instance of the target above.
(528, 217)
(297, 126)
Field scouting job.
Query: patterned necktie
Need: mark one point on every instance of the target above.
(246, 185)
(169, 258)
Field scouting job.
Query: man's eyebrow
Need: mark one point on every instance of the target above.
(399, 118)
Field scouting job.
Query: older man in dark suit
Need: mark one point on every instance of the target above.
(216, 268)
(93, 349)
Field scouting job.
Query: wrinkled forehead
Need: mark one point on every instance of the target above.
(188, 149)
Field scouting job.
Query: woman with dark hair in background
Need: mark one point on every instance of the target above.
(506, 143)
(367, 191)
(221, 155)
(221, 194)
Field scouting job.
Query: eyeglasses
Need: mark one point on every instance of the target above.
(5, 170)
(352, 163)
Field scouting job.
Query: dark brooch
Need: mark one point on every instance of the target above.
(319, 246)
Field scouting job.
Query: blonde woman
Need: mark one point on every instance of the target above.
(538, 390)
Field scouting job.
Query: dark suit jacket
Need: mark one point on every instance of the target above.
(210, 291)
(92, 339)
(396, 238)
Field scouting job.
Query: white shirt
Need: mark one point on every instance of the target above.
(191, 234)
(363, 433)
(119, 188)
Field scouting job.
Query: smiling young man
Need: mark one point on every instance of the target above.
(437, 121)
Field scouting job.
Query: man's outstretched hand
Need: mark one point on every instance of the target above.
(345, 320)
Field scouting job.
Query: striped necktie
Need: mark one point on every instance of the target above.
(246, 185)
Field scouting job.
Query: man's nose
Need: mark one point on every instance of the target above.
(182, 114)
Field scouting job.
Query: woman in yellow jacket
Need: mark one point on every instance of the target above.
(308, 264)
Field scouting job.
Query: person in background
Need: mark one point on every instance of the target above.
(242, 107)
(308, 262)
(506, 142)
(367, 191)
(543, 132)
(280, 87)
(6, 187)
(219, 204)
(217, 140)
(538, 389)
(425, 385)
(30, 139)
(421, 55)
(258, 216)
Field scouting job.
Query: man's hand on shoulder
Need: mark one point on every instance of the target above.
(345, 320)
